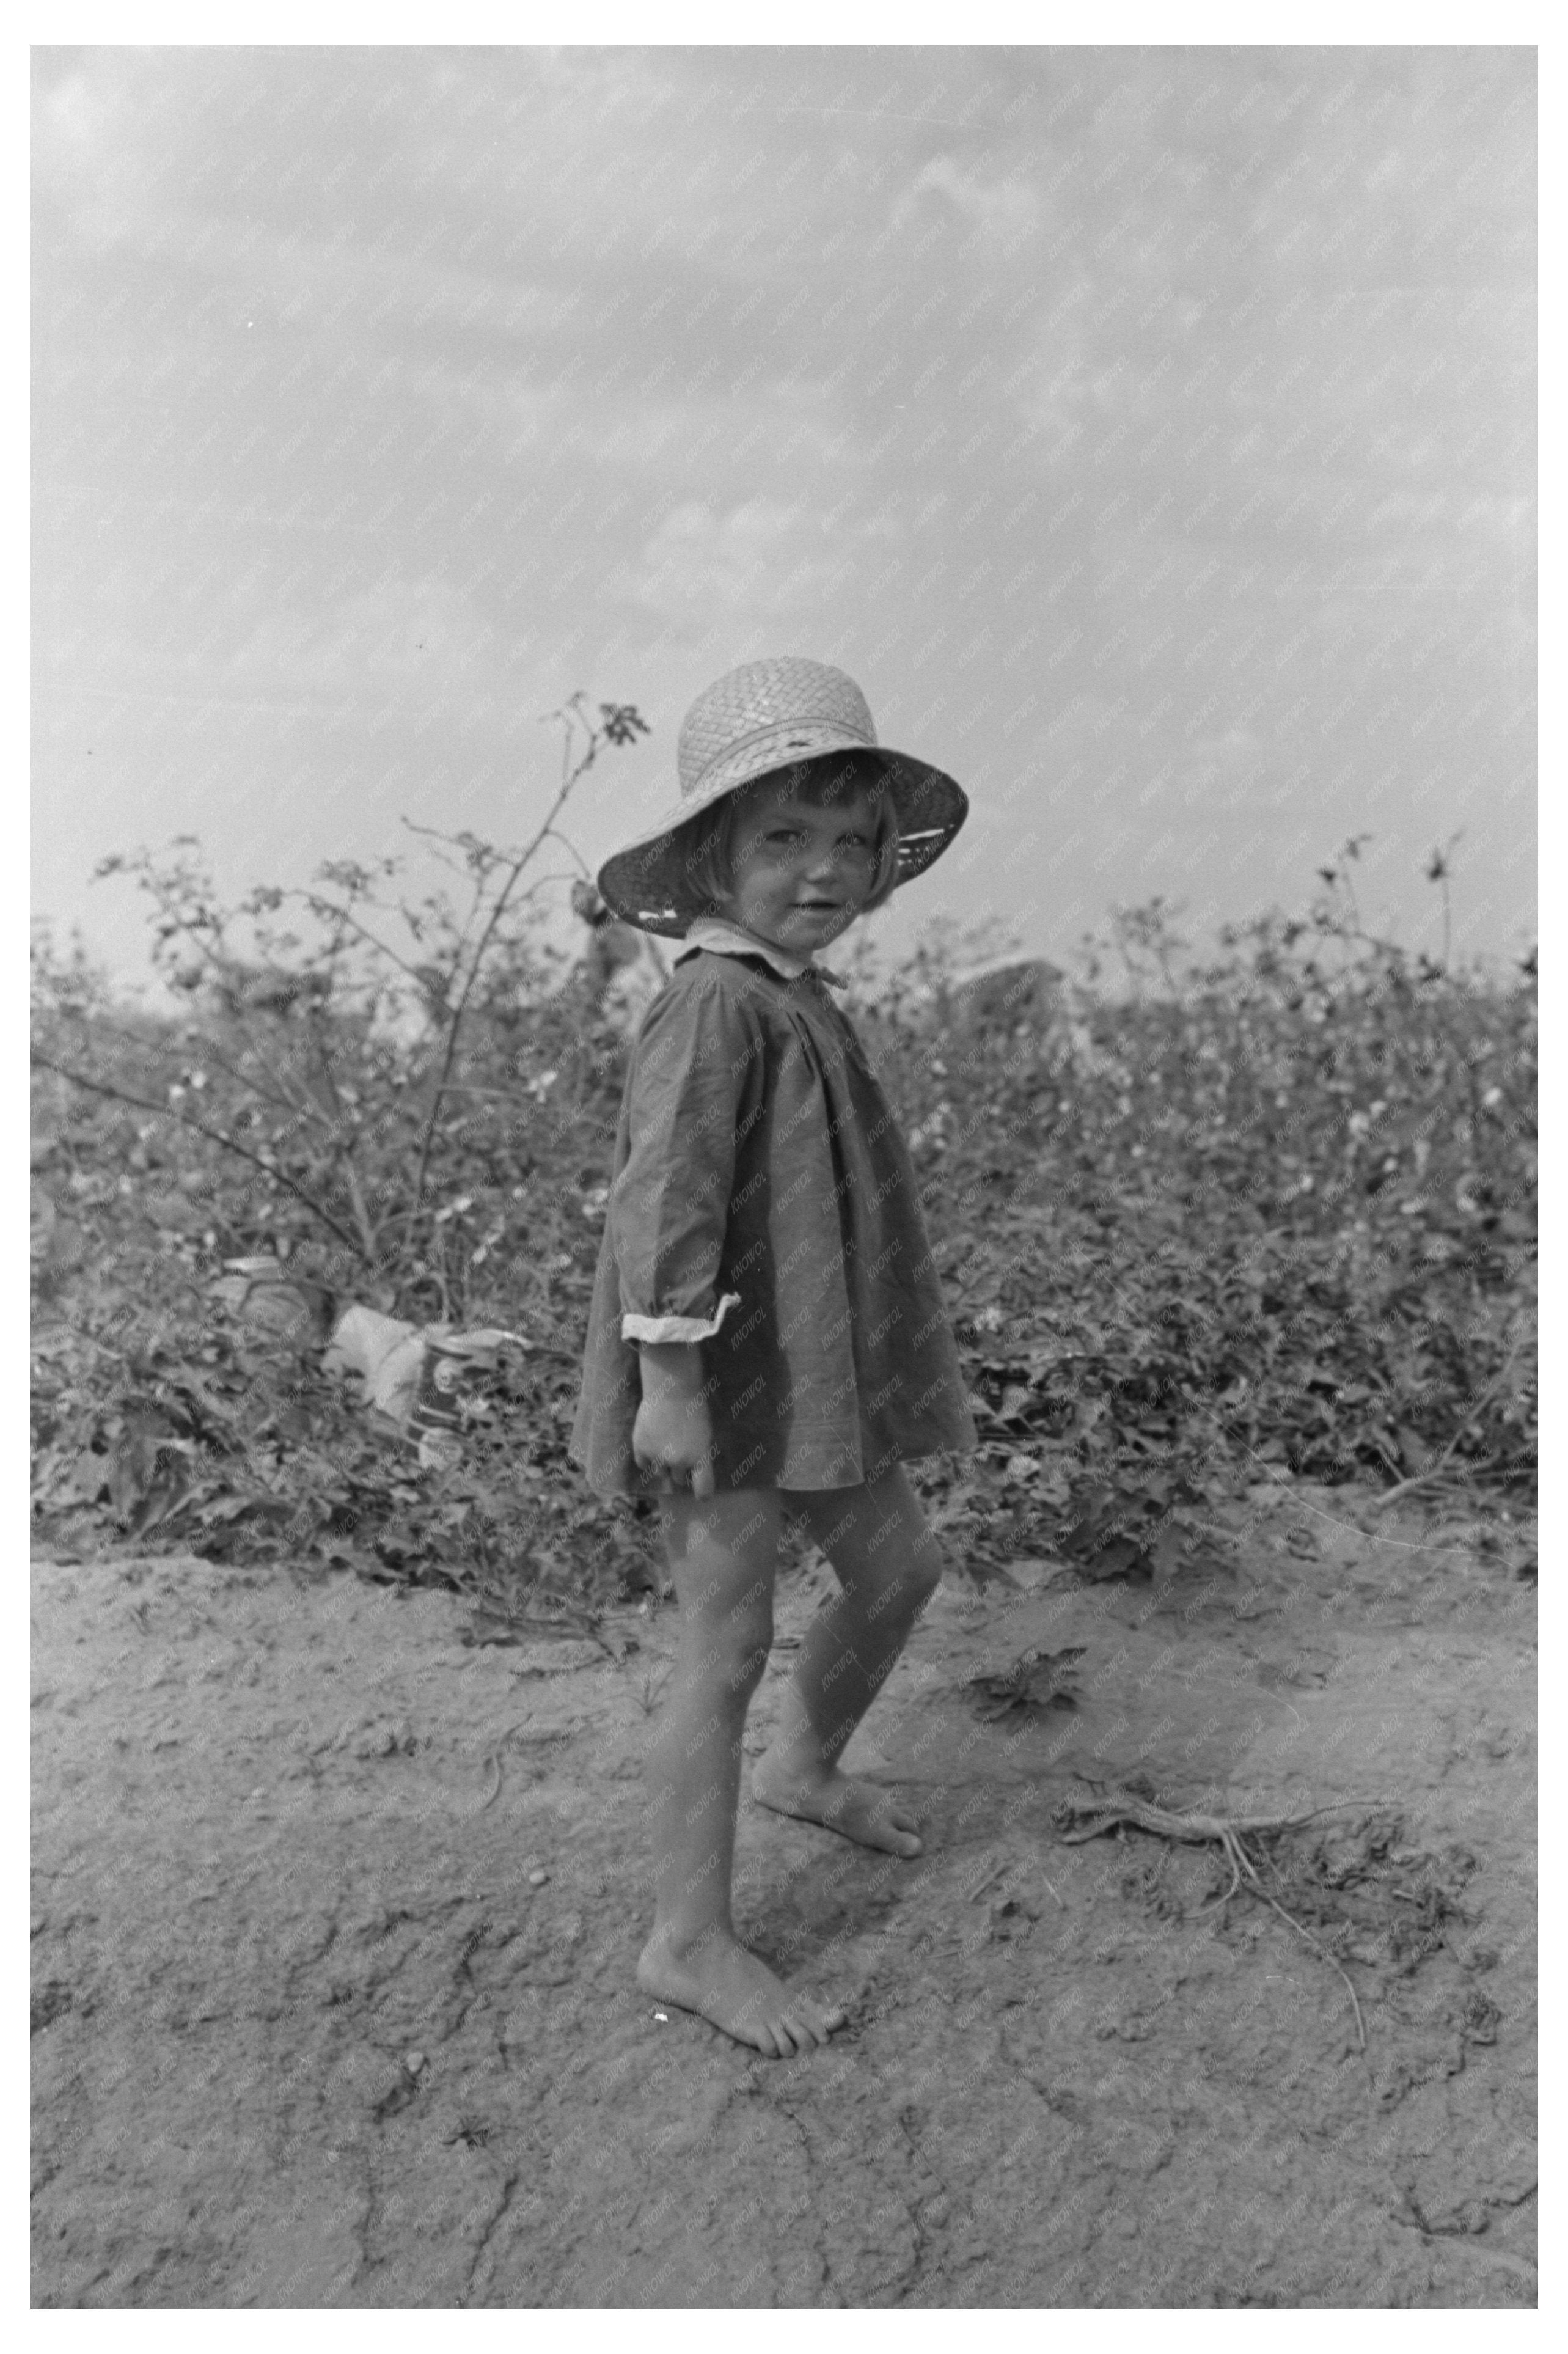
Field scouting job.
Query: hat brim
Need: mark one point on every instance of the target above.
(647, 883)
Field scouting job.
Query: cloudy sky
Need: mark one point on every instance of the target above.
(1151, 434)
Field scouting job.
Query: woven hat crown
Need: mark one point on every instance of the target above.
(757, 706)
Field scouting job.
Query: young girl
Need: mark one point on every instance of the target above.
(767, 1334)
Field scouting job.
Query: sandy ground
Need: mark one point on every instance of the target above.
(310, 2027)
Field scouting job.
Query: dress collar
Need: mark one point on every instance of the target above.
(725, 939)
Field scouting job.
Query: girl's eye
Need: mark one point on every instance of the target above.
(789, 836)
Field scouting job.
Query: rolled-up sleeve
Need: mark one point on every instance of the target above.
(695, 1072)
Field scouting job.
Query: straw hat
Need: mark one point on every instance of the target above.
(765, 715)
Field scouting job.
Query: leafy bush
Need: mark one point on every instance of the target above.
(1272, 1211)
(1269, 1212)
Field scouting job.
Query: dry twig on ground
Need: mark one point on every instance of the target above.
(1077, 1821)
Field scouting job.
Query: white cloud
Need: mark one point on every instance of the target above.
(635, 429)
(761, 559)
(1010, 207)
(87, 153)
(625, 424)
(1236, 743)
(73, 117)
(1053, 388)
(422, 640)
(1460, 510)
(1411, 507)
(644, 155)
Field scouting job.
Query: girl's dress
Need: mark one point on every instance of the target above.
(764, 1207)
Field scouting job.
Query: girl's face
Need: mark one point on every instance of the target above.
(801, 874)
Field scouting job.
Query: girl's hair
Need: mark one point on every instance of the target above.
(820, 783)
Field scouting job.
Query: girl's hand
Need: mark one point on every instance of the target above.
(672, 1432)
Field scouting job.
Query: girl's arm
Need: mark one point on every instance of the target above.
(696, 1078)
(697, 1069)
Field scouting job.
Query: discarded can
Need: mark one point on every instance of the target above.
(438, 1450)
(446, 1370)
(416, 1377)
(263, 1293)
(451, 1370)
(454, 1368)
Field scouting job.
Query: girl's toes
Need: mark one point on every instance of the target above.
(762, 2035)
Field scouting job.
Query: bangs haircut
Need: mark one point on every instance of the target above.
(823, 783)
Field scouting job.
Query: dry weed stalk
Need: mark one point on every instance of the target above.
(1078, 1820)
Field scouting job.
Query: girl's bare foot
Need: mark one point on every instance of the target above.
(859, 1810)
(728, 1986)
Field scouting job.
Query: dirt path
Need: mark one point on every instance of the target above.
(307, 2032)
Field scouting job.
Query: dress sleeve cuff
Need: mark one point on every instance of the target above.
(657, 1329)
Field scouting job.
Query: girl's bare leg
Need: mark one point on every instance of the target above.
(888, 1567)
(723, 1554)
